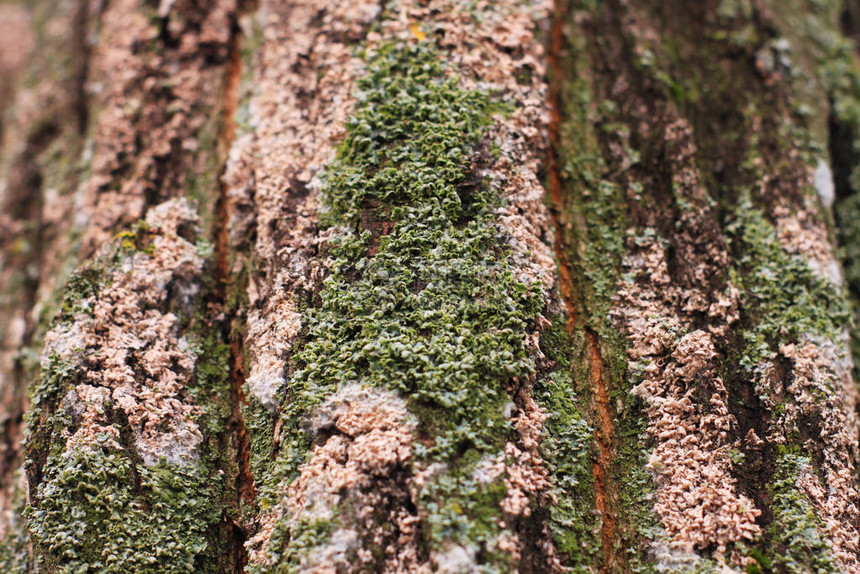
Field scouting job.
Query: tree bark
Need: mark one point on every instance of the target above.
(310, 286)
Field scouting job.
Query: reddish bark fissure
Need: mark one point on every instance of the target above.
(600, 404)
(244, 480)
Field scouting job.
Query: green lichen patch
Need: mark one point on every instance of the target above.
(450, 346)
(463, 508)
(421, 297)
(137, 238)
(55, 377)
(798, 545)
(567, 449)
(81, 287)
(435, 312)
(782, 297)
(211, 384)
(289, 548)
(408, 143)
(98, 511)
(100, 500)
(270, 463)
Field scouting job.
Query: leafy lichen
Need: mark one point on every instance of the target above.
(782, 296)
(420, 297)
(99, 511)
(796, 530)
(95, 505)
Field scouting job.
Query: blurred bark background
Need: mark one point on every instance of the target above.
(429, 286)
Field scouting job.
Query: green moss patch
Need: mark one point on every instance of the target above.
(567, 449)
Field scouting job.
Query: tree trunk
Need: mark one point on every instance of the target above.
(420, 286)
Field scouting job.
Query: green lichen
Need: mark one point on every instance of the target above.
(420, 297)
(782, 297)
(136, 239)
(289, 548)
(461, 507)
(81, 287)
(798, 545)
(98, 511)
(98, 507)
(56, 376)
(263, 461)
(566, 448)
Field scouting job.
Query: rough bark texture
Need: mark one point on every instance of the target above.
(429, 286)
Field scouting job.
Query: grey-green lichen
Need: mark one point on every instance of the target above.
(420, 297)
(799, 545)
(99, 511)
(119, 477)
(781, 294)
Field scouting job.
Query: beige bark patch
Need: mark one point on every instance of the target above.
(132, 350)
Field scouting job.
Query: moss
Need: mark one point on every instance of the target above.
(211, 384)
(201, 181)
(420, 298)
(798, 545)
(98, 511)
(594, 210)
(594, 223)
